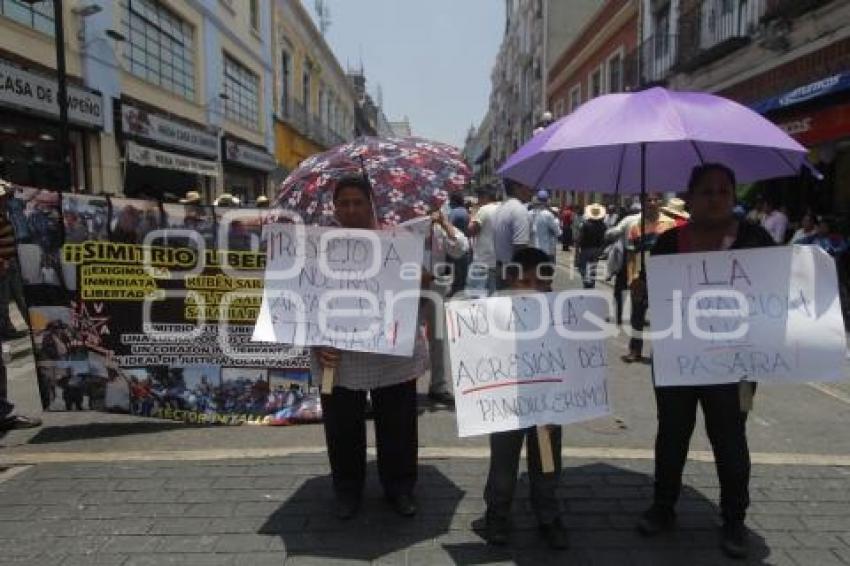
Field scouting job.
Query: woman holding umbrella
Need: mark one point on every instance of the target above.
(712, 227)
(390, 381)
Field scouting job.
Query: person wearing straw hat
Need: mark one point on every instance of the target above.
(675, 209)
(639, 236)
(226, 200)
(192, 197)
(590, 243)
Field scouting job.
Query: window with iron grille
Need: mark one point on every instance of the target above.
(255, 14)
(615, 73)
(242, 88)
(159, 47)
(575, 97)
(37, 16)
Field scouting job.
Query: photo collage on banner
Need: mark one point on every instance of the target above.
(138, 306)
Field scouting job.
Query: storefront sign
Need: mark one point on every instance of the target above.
(249, 156)
(822, 87)
(819, 126)
(27, 90)
(143, 124)
(149, 157)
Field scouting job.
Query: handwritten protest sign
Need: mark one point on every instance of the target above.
(768, 315)
(524, 360)
(349, 289)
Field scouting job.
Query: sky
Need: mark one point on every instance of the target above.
(431, 58)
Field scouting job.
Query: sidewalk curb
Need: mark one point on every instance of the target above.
(425, 453)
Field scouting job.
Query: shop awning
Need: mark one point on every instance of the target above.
(150, 157)
(828, 85)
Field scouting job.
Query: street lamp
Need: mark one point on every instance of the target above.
(62, 91)
(62, 81)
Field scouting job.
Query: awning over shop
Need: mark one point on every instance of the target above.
(830, 85)
(150, 157)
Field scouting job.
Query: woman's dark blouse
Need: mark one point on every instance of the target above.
(749, 236)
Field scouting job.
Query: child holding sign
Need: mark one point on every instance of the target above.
(529, 271)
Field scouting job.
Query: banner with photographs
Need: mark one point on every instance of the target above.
(148, 308)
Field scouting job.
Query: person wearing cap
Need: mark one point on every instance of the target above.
(590, 243)
(545, 228)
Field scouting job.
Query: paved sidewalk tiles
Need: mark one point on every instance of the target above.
(279, 511)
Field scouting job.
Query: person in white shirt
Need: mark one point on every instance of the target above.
(776, 223)
(481, 279)
(808, 228)
(511, 226)
(545, 228)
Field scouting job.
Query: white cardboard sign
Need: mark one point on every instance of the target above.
(788, 325)
(524, 360)
(349, 289)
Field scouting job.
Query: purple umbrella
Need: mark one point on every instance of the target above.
(651, 140)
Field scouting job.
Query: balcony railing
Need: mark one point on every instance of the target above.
(790, 9)
(294, 114)
(657, 58)
(311, 126)
(714, 28)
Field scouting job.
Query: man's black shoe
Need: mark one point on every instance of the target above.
(556, 535)
(441, 398)
(656, 520)
(14, 422)
(734, 541)
(403, 504)
(495, 530)
(347, 507)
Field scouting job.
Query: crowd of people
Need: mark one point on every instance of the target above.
(511, 244)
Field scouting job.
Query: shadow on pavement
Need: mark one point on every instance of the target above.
(65, 433)
(602, 503)
(308, 527)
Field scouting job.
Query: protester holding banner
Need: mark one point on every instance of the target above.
(523, 276)
(712, 227)
(391, 384)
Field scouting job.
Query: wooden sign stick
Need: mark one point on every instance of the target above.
(547, 461)
(328, 377)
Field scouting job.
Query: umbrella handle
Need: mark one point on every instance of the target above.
(371, 189)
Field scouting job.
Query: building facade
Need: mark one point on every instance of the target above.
(594, 61)
(536, 34)
(788, 59)
(314, 100)
(516, 94)
(170, 96)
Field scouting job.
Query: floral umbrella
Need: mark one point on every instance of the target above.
(410, 177)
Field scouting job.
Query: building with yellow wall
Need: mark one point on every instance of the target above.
(169, 96)
(314, 100)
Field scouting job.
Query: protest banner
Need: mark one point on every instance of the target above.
(527, 360)
(768, 315)
(132, 310)
(348, 289)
